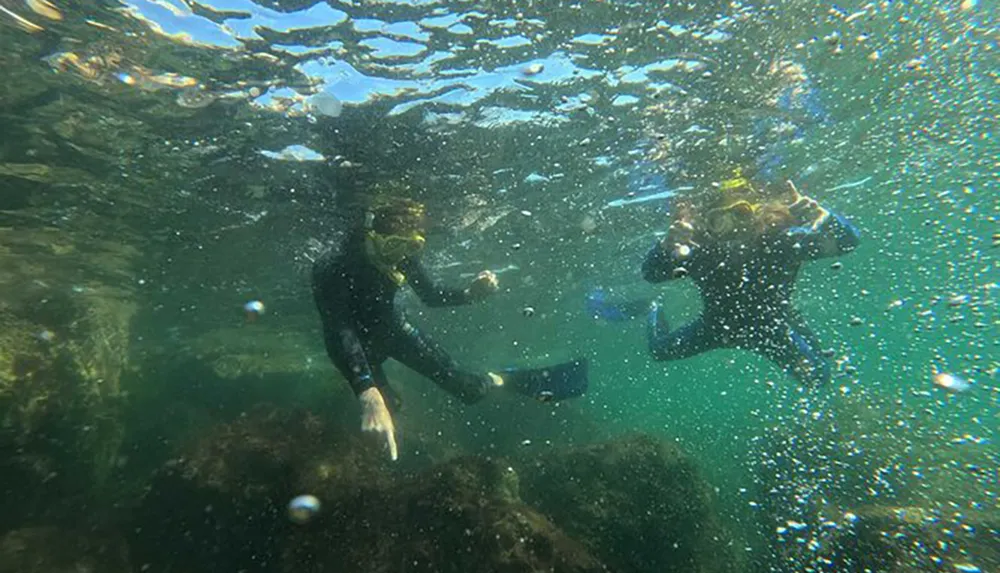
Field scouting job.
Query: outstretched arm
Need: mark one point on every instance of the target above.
(345, 351)
(833, 236)
(331, 292)
(821, 232)
(433, 294)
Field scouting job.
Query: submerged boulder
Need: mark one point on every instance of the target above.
(640, 504)
(220, 506)
(63, 349)
(633, 505)
(223, 505)
(889, 539)
(53, 550)
(464, 516)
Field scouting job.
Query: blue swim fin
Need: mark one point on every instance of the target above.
(551, 383)
(598, 306)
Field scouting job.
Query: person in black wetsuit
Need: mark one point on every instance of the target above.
(355, 289)
(744, 254)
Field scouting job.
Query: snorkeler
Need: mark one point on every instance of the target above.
(744, 250)
(355, 289)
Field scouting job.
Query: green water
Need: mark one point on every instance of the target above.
(134, 225)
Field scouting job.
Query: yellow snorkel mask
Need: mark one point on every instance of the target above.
(393, 232)
(392, 249)
(736, 183)
(739, 205)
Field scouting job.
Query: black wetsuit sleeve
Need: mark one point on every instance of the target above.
(330, 290)
(344, 348)
(835, 236)
(662, 264)
(431, 293)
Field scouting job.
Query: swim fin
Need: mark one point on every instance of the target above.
(551, 383)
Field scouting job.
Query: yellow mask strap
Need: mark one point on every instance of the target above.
(736, 182)
(751, 207)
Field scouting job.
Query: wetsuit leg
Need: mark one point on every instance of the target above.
(796, 350)
(418, 351)
(685, 342)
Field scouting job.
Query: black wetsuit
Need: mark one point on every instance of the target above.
(747, 292)
(363, 326)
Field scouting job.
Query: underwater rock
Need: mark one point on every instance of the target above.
(63, 348)
(53, 550)
(256, 351)
(639, 504)
(41, 173)
(222, 504)
(60, 408)
(464, 516)
(630, 505)
(841, 490)
(915, 539)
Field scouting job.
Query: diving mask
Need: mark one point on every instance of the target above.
(732, 217)
(740, 208)
(392, 249)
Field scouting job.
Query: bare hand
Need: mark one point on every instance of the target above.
(805, 210)
(681, 232)
(679, 239)
(375, 417)
(486, 283)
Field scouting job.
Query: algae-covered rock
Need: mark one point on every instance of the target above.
(221, 505)
(640, 504)
(635, 505)
(253, 350)
(53, 550)
(63, 348)
(462, 516)
(41, 173)
(887, 539)
(60, 403)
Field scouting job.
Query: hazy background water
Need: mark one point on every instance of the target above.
(517, 122)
